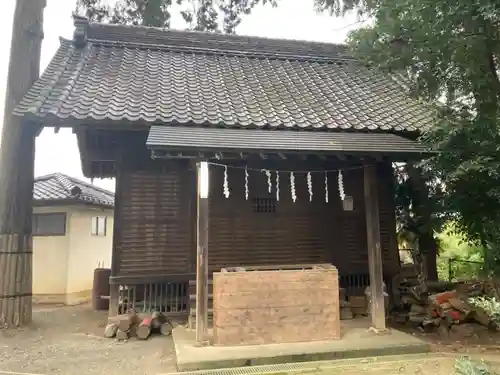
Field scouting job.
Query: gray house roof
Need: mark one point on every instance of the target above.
(58, 187)
(129, 74)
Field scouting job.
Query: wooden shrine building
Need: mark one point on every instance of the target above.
(298, 136)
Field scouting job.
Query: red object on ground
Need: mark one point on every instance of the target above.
(147, 321)
(445, 297)
(455, 315)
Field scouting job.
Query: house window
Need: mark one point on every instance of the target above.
(53, 224)
(267, 205)
(99, 225)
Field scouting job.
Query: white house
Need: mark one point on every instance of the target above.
(72, 235)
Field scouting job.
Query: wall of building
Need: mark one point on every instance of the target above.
(63, 266)
(158, 208)
(304, 231)
(87, 252)
(50, 259)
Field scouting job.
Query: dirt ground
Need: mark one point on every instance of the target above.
(462, 342)
(68, 340)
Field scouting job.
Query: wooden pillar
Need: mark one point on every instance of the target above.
(114, 287)
(17, 166)
(374, 248)
(202, 257)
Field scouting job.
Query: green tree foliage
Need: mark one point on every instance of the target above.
(207, 15)
(449, 51)
(419, 214)
(457, 258)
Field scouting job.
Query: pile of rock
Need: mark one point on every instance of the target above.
(442, 305)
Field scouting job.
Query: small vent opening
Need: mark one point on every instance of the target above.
(264, 205)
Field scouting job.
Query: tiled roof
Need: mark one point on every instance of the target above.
(59, 187)
(213, 139)
(150, 76)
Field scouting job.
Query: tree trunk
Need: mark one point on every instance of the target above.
(17, 167)
(428, 246)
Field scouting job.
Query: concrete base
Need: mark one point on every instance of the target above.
(357, 341)
(76, 298)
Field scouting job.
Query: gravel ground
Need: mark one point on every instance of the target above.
(68, 340)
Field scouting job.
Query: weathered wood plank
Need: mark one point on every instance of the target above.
(202, 262)
(374, 247)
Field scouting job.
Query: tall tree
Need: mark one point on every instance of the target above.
(206, 15)
(449, 50)
(17, 167)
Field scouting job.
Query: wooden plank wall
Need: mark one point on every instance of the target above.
(158, 225)
(300, 232)
(157, 232)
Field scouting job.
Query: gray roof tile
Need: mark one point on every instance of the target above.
(212, 139)
(59, 187)
(150, 76)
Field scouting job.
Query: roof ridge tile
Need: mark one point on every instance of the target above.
(218, 84)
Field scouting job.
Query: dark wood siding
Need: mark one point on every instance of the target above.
(156, 228)
(300, 232)
(295, 233)
(159, 220)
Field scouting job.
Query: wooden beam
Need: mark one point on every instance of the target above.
(341, 157)
(114, 289)
(202, 260)
(374, 248)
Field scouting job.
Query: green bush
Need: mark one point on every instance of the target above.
(467, 260)
(465, 366)
(490, 305)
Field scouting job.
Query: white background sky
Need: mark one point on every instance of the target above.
(292, 19)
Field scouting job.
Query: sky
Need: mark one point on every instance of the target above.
(59, 152)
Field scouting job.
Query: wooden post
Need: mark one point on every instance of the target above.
(114, 288)
(17, 167)
(374, 248)
(202, 258)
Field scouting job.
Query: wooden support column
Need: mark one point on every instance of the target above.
(202, 255)
(114, 287)
(374, 248)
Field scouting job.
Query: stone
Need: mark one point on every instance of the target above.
(110, 330)
(345, 313)
(271, 307)
(466, 329)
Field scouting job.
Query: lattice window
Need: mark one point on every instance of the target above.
(264, 205)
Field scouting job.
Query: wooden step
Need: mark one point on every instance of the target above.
(192, 304)
(192, 297)
(192, 318)
(192, 288)
(192, 312)
(193, 282)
